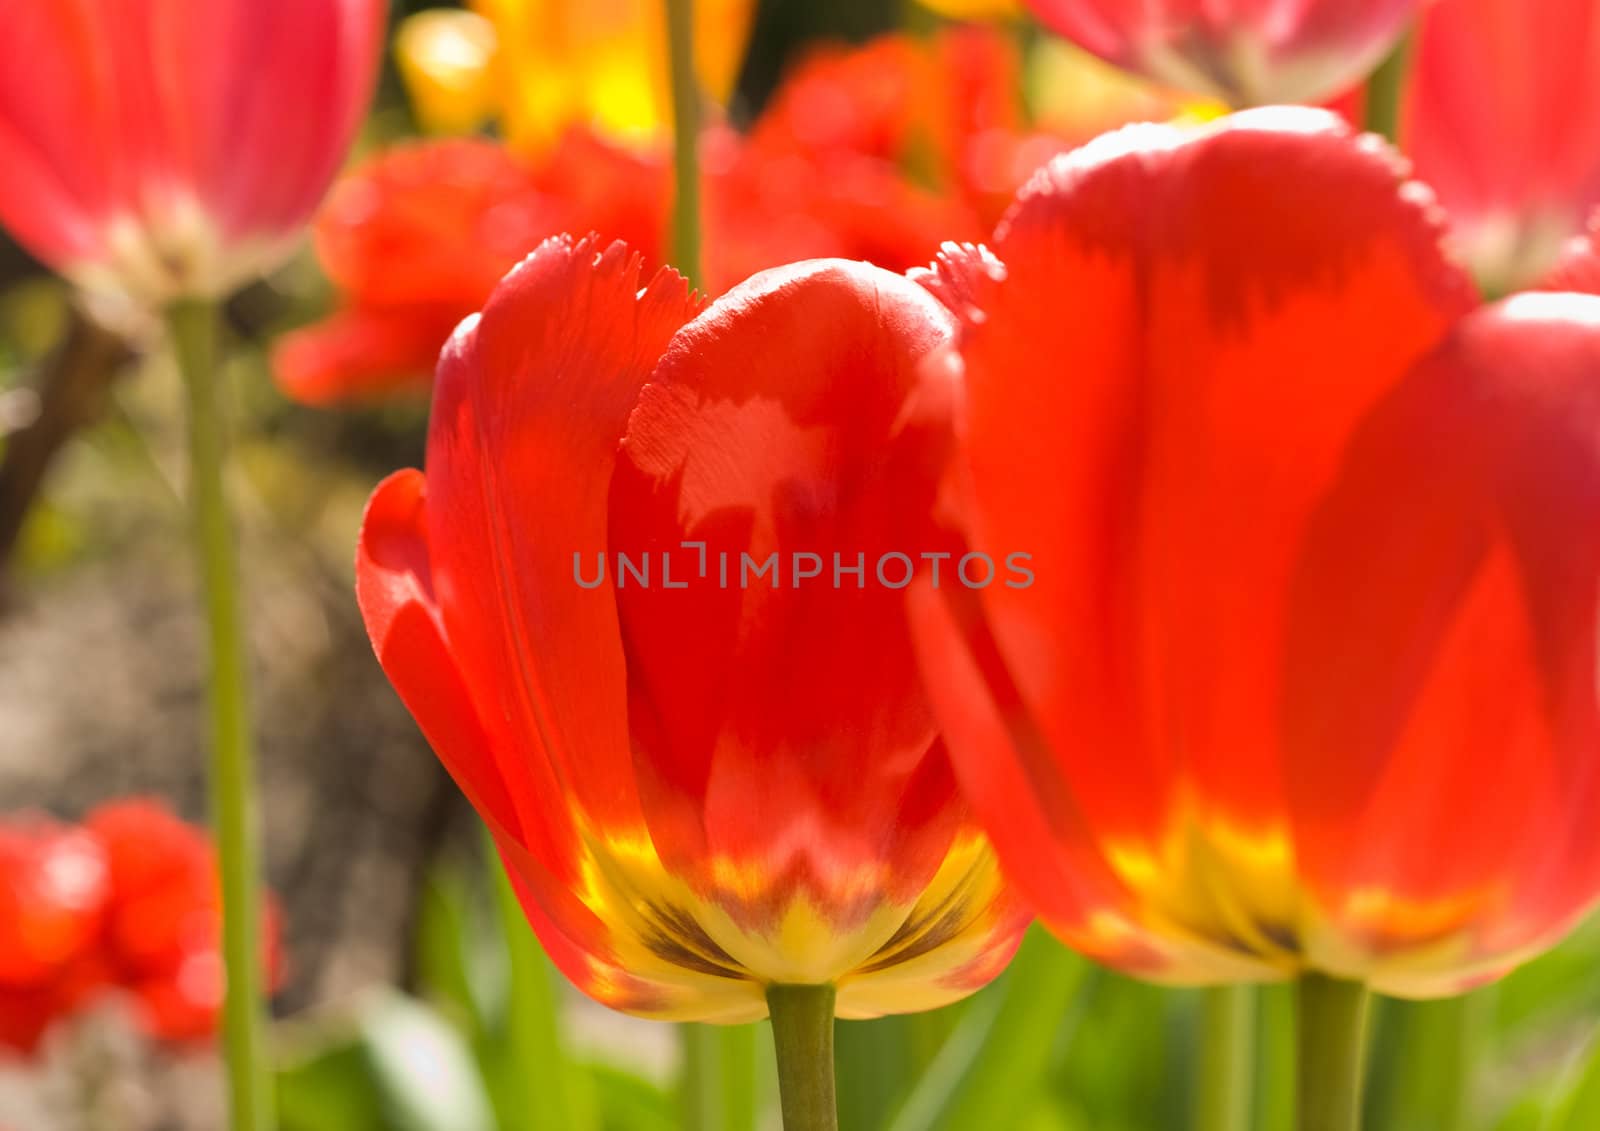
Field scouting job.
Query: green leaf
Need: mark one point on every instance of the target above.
(330, 1089)
(991, 1070)
(538, 1087)
(631, 1103)
(1557, 987)
(1578, 1105)
(426, 1077)
(877, 1065)
(449, 971)
(723, 1077)
(1125, 1053)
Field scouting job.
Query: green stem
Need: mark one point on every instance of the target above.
(802, 1031)
(1332, 1053)
(717, 1085)
(1227, 1059)
(700, 1078)
(686, 139)
(192, 325)
(1386, 91)
(1433, 1063)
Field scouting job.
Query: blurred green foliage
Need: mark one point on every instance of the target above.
(1056, 1044)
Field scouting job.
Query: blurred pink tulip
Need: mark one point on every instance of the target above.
(1246, 52)
(158, 148)
(1503, 120)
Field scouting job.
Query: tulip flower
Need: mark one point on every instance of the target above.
(1502, 118)
(417, 237)
(948, 107)
(53, 884)
(1245, 52)
(974, 9)
(159, 153)
(1305, 687)
(446, 59)
(709, 785)
(158, 150)
(163, 920)
(127, 904)
(555, 66)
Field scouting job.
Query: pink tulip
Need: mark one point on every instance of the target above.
(161, 148)
(1247, 52)
(1503, 120)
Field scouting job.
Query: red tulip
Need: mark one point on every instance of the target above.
(127, 903)
(156, 148)
(1578, 268)
(767, 208)
(416, 238)
(53, 883)
(1503, 120)
(700, 789)
(1246, 52)
(949, 109)
(1306, 680)
(164, 919)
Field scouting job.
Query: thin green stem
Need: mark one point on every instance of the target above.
(1227, 1059)
(1386, 91)
(1433, 1061)
(686, 139)
(1332, 1053)
(802, 1031)
(192, 325)
(700, 1078)
(717, 1088)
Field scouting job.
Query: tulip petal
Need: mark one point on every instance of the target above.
(395, 589)
(159, 147)
(514, 793)
(779, 722)
(1190, 325)
(1502, 118)
(1440, 712)
(538, 387)
(357, 354)
(1247, 52)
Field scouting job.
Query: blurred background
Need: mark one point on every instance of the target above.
(402, 991)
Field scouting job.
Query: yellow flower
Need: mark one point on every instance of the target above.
(974, 9)
(602, 63)
(446, 58)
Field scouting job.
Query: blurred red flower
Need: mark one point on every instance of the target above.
(1503, 121)
(155, 149)
(1306, 680)
(879, 153)
(416, 238)
(163, 936)
(1245, 52)
(53, 889)
(700, 789)
(126, 903)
